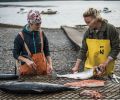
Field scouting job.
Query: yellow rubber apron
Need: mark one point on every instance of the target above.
(98, 51)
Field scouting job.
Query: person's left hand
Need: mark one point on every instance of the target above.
(49, 69)
(102, 68)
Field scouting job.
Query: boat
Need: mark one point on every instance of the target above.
(22, 11)
(106, 10)
(49, 11)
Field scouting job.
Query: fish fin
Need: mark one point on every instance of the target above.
(75, 87)
(58, 75)
(76, 78)
(38, 90)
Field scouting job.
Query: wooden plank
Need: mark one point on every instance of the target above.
(74, 35)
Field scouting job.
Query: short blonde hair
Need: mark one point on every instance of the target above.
(93, 13)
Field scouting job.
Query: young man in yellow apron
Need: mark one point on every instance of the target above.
(31, 48)
(100, 45)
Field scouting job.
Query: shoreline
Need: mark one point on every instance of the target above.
(20, 26)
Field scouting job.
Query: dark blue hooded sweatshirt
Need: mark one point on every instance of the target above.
(32, 39)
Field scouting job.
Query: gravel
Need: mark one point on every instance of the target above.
(62, 51)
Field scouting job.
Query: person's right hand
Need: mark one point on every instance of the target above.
(75, 69)
(31, 64)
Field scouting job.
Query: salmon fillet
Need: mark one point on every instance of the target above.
(86, 83)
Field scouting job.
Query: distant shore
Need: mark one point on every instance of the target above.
(17, 26)
(15, 5)
(20, 26)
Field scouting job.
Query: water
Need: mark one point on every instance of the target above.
(69, 12)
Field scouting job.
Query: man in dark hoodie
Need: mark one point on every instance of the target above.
(31, 47)
(100, 45)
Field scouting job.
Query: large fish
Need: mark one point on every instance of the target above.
(82, 75)
(33, 87)
(8, 76)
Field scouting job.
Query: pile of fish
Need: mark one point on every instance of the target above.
(86, 83)
(92, 93)
(33, 87)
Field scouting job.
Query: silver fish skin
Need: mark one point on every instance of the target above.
(82, 75)
(33, 87)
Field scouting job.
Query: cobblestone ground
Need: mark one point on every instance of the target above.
(63, 54)
(62, 51)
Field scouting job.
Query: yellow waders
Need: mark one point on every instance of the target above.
(98, 51)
